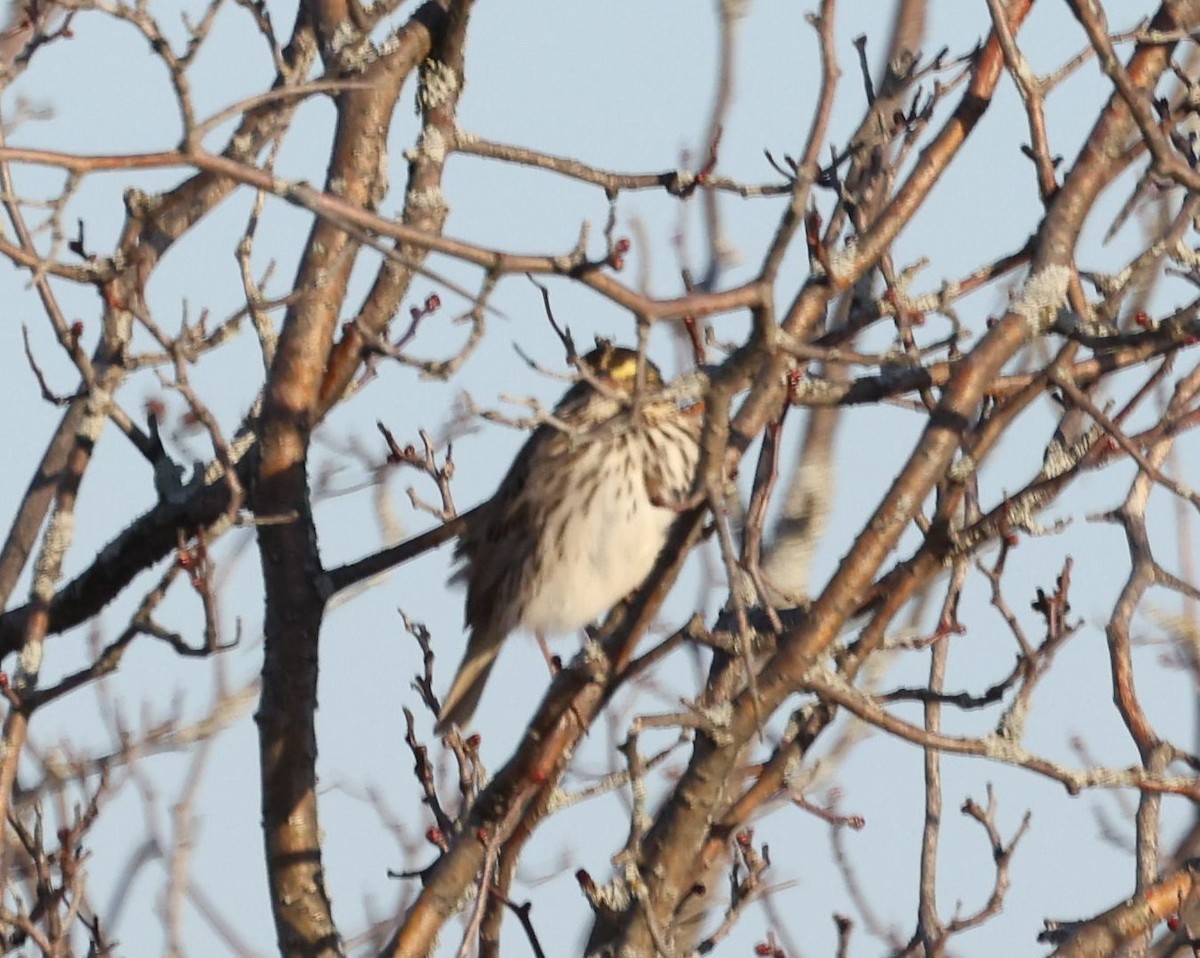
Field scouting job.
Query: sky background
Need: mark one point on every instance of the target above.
(624, 86)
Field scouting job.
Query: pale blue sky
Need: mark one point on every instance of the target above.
(627, 86)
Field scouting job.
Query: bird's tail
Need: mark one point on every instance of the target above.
(459, 704)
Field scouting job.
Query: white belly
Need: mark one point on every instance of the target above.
(608, 547)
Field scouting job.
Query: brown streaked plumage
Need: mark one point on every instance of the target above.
(578, 520)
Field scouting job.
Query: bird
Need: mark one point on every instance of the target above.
(579, 518)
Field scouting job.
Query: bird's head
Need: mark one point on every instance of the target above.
(616, 366)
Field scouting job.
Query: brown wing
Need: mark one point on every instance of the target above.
(499, 549)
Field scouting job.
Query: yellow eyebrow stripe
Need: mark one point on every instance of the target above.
(624, 370)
